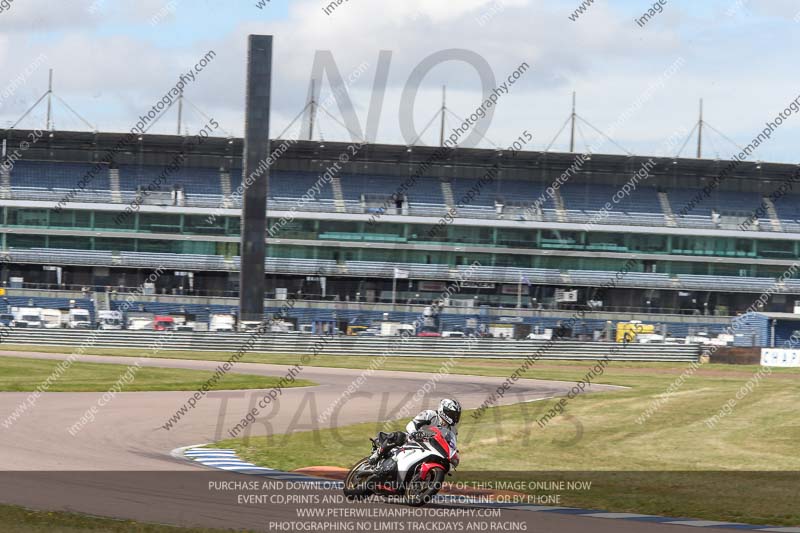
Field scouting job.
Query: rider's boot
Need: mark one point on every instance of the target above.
(380, 453)
(375, 457)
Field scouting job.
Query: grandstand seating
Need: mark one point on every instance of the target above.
(592, 198)
(424, 191)
(289, 185)
(56, 175)
(204, 181)
(788, 209)
(51, 181)
(485, 195)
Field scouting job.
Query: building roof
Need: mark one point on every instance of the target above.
(781, 316)
(402, 160)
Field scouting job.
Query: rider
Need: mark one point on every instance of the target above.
(446, 416)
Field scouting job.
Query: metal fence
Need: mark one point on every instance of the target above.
(362, 346)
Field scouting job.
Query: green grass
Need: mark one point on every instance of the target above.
(478, 367)
(671, 464)
(24, 375)
(15, 519)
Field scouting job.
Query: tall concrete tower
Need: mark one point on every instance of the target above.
(254, 199)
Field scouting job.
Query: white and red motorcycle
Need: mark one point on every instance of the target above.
(421, 466)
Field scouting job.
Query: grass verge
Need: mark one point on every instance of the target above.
(15, 519)
(544, 369)
(19, 374)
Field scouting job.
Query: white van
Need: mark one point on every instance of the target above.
(109, 320)
(51, 318)
(221, 322)
(79, 319)
(27, 317)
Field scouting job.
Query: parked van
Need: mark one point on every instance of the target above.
(27, 317)
(393, 329)
(51, 318)
(140, 321)
(79, 319)
(109, 320)
(221, 322)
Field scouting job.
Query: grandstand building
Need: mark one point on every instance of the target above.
(545, 231)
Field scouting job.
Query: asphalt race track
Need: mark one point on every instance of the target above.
(120, 465)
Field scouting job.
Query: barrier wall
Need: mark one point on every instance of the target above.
(343, 345)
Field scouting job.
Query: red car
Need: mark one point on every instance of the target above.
(164, 323)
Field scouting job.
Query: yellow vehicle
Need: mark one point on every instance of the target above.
(627, 331)
(355, 330)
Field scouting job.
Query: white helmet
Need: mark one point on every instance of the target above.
(449, 411)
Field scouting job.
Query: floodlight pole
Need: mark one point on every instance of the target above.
(572, 130)
(313, 110)
(700, 132)
(49, 125)
(444, 110)
(180, 111)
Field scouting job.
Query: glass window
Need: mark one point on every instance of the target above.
(68, 242)
(196, 247)
(203, 224)
(114, 245)
(234, 225)
(156, 246)
(302, 229)
(296, 252)
(27, 217)
(560, 239)
(471, 235)
(613, 242)
(333, 230)
(777, 249)
(647, 243)
(384, 232)
(71, 219)
(744, 247)
(227, 249)
(159, 223)
(384, 229)
(107, 220)
(62, 219)
(516, 238)
(15, 240)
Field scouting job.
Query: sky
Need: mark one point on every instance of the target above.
(640, 85)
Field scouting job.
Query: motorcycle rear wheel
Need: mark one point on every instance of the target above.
(354, 483)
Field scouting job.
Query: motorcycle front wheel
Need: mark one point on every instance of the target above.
(421, 491)
(355, 483)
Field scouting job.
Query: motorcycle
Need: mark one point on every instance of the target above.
(421, 466)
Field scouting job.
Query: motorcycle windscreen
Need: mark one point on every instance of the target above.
(450, 437)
